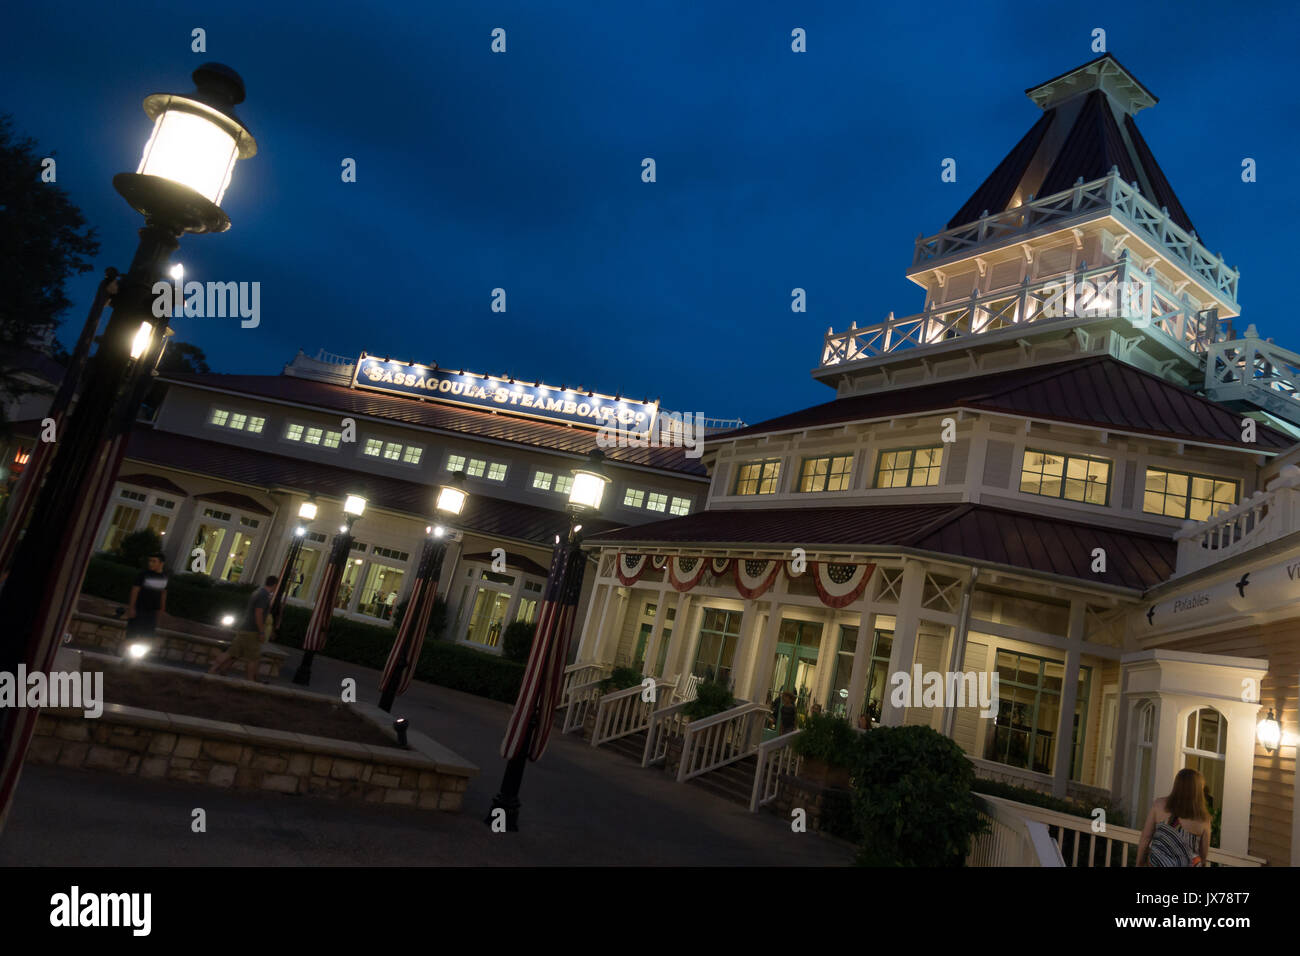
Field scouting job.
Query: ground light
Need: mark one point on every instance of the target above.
(184, 172)
(354, 506)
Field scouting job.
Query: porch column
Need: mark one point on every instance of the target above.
(608, 640)
(656, 633)
(1238, 775)
(680, 626)
(760, 674)
(827, 656)
(903, 653)
(589, 647)
(1069, 697)
(1168, 747)
(861, 664)
(740, 668)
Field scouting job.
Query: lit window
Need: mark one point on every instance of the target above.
(164, 503)
(564, 484)
(496, 471)
(214, 513)
(633, 498)
(238, 420)
(314, 435)
(219, 416)
(332, 439)
(680, 506)
(392, 451)
(255, 425)
(758, 477)
(476, 468)
(134, 495)
(293, 433)
(826, 474)
(1072, 477)
(656, 502)
(373, 447)
(249, 522)
(456, 463)
(412, 454)
(542, 480)
(1181, 495)
(909, 467)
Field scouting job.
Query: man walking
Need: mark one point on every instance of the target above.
(251, 633)
(148, 597)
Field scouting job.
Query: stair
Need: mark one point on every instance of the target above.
(632, 746)
(734, 782)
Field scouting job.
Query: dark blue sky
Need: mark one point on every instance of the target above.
(522, 170)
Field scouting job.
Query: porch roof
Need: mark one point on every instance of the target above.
(976, 533)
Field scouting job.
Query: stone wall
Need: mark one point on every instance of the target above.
(169, 646)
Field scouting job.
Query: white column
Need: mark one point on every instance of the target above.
(827, 656)
(1238, 776)
(1069, 697)
(656, 633)
(607, 649)
(760, 674)
(861, 663)
(744, 646)
(680, 626)
(590, 645)
(903, 652)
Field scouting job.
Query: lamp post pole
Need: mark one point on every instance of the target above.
(435, 550)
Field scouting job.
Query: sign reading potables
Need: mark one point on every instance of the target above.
(499, 394)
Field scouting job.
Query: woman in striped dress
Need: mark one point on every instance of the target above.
(1177, 831)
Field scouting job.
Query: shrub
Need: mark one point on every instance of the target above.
(136, 547)
(518, 640)
(621, 679)
(711, 697)
(471, 671)
(912, 800)
(828, 739)
(1036, 798)
(109, 579)
(437, 618)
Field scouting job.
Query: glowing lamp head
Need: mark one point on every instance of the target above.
(589, 483)
(299, 532)
(177, 272)
(1269, 732)
(355, 505)
(307, 511)
(227, 620)
(137, 651)
(452, 496)
(140, 343)
(439, 531)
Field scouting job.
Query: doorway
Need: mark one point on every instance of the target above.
(794, 669)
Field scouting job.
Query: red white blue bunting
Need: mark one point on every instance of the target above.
(630, 567)
(685, 573)
(839, 585)
(720, 566)
(755, 577)
(659, 561)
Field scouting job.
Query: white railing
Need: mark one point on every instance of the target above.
(775, 757)
(1116, 289)
(582, 698)
(575, 675)
(1080, 846)
(333, 358)
(1012, 840)
(713, 742)
(623, 712)
(1107, 196)
(1263, 517)
(664, 725)
(1255, 370)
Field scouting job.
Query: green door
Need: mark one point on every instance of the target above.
(794, 670)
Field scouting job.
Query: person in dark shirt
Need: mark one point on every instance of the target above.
(250, 634)
(148, 598)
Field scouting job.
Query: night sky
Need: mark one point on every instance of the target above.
(523, 170)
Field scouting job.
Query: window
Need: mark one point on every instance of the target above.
(1072, 477)
(412, 454)
(214, 513)
(455, 462)
(293, 433)
(256, 424)
(1205, 746)
(837, 700)
(542, 480)
(158, 523)
(1183, 495)
(680, 506)
(238, 420)
(882, 645)
(119, 526)
(332, 439)
(249, 522)
(134, 495)
(1146, 761)
(909, 467)
(219, 416)
(496, 471)
(379, 591)
(758, 477)
(826, 474)
(1029, 712)
(656, 502)
(633, 498)
(564, 484)
(390, 553)
(476, 468)
(719, 631)
(164, 503)
(314, 435)
(392, 451)
(373, 447)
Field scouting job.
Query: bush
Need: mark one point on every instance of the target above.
(471, 671)
(137, 546)
(437, 618)
(711, 697)
(518, 640)
(621, 678)
(912, 799)
(1036, 798)
(109, 579)
(828, 739)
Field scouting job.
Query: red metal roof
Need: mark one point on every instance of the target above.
(442, 416)
(1099, 391)
(973, 532)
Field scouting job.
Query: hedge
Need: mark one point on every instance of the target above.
(1036, 798)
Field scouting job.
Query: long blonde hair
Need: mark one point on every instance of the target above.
(1186, 800)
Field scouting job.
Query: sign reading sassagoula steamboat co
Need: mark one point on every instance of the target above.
(502, 394)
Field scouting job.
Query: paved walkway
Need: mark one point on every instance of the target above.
(581, 806)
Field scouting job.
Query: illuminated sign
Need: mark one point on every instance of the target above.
(498, 394)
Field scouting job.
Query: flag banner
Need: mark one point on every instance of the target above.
(839, 585)
(755, 577)
(719, 566)
(318, 627)
(685, 573)
(543, 683)
(415, 622)
(659, 561)
(630, 567)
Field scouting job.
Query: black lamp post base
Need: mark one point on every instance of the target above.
(302, 676)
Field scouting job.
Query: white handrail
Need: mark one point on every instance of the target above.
(580, 701)
(624, 712)
(1012, 839)
(775, 757)
(664, 724)
(585, 672)
(713, 742)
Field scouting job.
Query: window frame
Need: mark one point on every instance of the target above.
(826, 478)
(911, 467)
(1190, 476)
(762, 464)
(1065, 468)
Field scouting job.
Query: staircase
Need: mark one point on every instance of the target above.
(734, 781)
(631, 746)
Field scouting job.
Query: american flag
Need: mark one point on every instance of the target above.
(419, 607)
(544, 676)
(318, 627)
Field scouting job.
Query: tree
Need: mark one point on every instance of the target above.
(44, 240)
(182, 357)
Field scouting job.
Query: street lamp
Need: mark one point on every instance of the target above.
(306, 514)
(400, 667)
(530, 722)
(319, 626)
(175, 188)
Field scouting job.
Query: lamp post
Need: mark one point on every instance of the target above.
(183, 175)
(530, 723)
(319, 625)
(397, 674)
(306, 513)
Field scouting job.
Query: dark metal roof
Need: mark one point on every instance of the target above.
(442, 416)
(1164, 193)
(483, 514)
(1099, 391)
(1093, 146)
(994, 194)
(974, 532)
(156, 482)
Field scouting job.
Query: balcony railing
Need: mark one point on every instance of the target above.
(1263, 517)
(1108, 195)
(1255, 370)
